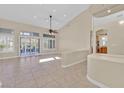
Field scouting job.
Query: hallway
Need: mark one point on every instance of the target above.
(27, 72)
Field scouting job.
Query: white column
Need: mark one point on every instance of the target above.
(94, 36)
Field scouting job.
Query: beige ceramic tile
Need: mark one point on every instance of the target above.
(27, 72)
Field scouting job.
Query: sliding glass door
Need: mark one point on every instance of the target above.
(25, 46)
(35, 45)
(29, 46)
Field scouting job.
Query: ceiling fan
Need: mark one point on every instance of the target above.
(51, 31)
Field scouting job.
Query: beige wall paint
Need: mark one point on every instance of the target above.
(115, 37)
(18, 27)
(70, 58)
(76, 35)
(107, 70)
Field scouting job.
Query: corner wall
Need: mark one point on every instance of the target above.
(76, 35)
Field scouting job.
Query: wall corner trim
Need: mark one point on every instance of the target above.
(9, 57)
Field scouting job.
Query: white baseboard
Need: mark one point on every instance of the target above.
(64, 66)
(8, 57)
(97, 83)
(49, 53)
(28, 56)
(0, 85)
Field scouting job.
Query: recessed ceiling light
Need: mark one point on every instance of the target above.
(47, 20)
(109, 11)
(34, 16)
(54, 10)
(65, 15)
(121, 22)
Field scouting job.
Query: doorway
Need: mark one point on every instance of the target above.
(29, 46)
(101, 41)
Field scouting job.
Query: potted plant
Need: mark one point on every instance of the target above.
(1, 47)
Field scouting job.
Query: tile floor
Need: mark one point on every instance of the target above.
(29, 73)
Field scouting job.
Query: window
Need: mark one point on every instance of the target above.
(29, 34)
(53, 43)
(51, 46)
(104, 41)
(6, 40)
(49, 41)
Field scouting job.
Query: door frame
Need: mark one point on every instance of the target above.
(30, 41)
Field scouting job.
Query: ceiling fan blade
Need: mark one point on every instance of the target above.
(54, 31)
